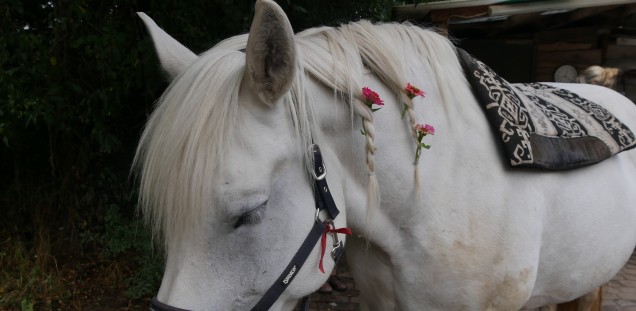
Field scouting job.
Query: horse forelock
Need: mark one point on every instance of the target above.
(184, 141)
(196, 119)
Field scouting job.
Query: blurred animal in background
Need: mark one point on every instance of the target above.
(603, 76)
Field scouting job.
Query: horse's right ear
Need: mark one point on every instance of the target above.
(270, 54)
(174, 57)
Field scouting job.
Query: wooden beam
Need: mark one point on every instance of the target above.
(444, 15)
(441, 17)
(561, 20)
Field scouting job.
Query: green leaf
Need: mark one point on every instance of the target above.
(26, 305)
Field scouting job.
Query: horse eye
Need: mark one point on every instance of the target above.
(252, 217)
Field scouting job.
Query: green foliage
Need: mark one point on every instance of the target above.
(21, 280)
(123, 236)
(147, 279)
(26, 305)
(76, 81)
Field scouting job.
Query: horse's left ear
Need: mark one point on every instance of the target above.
(174, 57)
(270, 53)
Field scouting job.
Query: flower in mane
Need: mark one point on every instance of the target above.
(422, 130)
(372, 99)
(411, 92)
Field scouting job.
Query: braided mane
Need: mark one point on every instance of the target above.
(195, 121)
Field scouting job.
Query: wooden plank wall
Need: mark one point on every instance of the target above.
(585, 47)
(621, 53)
(577, 47)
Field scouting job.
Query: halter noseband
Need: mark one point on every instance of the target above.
(324, 201)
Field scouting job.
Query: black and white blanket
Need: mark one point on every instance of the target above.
(545, 127)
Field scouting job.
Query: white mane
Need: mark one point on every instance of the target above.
(196, 120)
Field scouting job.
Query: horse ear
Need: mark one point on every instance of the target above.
(270, 53)
(174, 57)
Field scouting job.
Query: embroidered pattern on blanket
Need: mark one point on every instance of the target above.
(543, 126)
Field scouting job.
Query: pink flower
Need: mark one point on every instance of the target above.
(412, 91)
(424, 129)
(372, 98)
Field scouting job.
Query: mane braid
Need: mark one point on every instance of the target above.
(338, 57)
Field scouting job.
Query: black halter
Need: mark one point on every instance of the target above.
(324, 201)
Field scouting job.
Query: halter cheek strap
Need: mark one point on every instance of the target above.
(324, 201)
(290, 272)
(320, 229)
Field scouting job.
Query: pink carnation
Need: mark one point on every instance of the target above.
(371, 97)
(412, 91)
(422, 130)
(425, 129)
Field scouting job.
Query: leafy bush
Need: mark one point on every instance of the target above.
(122, 237)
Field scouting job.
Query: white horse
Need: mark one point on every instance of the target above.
(223, 165)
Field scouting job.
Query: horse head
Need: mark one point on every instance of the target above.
(223, 165)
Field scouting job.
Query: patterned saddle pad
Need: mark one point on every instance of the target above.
(545, 127)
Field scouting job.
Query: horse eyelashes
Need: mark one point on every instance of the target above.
(252, 217)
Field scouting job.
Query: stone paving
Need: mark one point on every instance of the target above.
(337, 301)
(618, 295)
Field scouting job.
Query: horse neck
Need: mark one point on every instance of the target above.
(421, 58)
(400, 201)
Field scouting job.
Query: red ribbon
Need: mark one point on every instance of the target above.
(323, 242)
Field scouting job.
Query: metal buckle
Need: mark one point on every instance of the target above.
(337, 244)
(336, 250)
(322, 167)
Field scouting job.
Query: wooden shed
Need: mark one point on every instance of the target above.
(540, 40)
